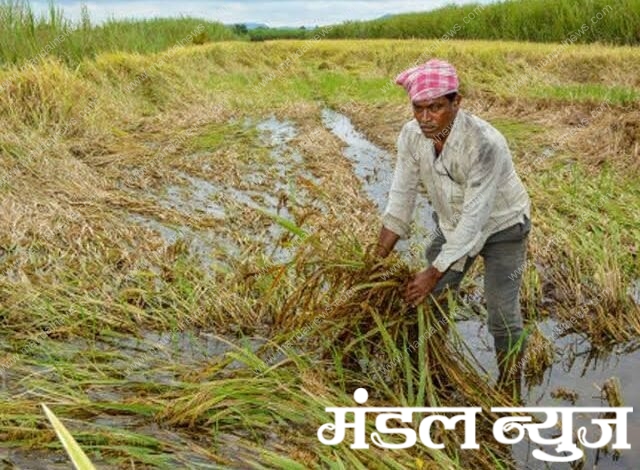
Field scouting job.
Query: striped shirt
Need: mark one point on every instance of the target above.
(472, 186)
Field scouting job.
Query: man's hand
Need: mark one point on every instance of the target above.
(421, 285)
(386, 241)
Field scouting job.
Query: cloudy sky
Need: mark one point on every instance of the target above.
(271, 12)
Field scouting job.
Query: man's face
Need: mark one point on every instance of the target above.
(436, 116)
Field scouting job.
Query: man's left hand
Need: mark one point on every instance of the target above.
(421, 285)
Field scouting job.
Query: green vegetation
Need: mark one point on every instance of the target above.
(589, 92)
(265, 34)
(25, 37)
(518, 20)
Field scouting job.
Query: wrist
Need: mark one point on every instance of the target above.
(433, 271)
(382, 250)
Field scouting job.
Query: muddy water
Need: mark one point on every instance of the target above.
(266, 187)
(575, 368)
(169, 353)
(151, 360)
(203, 245)
(197, 196)
(374, 167)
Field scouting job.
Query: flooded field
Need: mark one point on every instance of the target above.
(578, 366)
(189, 282)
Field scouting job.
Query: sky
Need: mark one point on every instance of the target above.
(271, 12)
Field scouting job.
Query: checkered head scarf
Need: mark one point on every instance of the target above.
(430, 80)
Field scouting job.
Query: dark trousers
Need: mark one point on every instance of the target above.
(504, 255)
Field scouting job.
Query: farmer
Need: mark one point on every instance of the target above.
(481, 206)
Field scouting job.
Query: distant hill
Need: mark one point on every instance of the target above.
(247, 25)
(251, 26)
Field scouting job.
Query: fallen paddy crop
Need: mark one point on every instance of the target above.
(189, 209)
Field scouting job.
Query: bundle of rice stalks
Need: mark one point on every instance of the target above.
(346, 312)
(562, 393)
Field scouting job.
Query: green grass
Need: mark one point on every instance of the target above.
(517, 20)
(590, 92)
(334, 88)
(26, 37)
(215, 136)
(265, 34)
(517, 131)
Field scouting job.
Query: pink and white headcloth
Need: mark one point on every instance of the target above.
(430, 80)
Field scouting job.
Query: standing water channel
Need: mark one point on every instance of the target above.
(575, 366)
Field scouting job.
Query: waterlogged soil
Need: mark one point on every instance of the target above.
(161, 357)
(577, 366)
(195, 196)
(152, 360)
(374, 167)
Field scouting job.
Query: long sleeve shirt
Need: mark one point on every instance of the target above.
(472, 186)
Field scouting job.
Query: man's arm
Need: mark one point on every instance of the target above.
(402, 197)
(386, 241)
